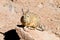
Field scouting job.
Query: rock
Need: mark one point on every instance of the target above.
(1, 37)
(27, 34)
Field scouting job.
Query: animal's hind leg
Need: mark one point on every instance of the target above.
(40, 28)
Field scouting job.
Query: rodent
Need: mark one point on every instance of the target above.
(30, 20)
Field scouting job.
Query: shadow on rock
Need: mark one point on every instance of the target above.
(11, 35)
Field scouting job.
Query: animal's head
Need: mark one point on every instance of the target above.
(22, 18)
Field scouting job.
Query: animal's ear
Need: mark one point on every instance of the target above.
(25, 12)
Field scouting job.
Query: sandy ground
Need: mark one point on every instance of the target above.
(48, 10)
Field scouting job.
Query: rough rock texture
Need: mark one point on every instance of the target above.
(1, 37)
(48, 10)
(27, 34)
